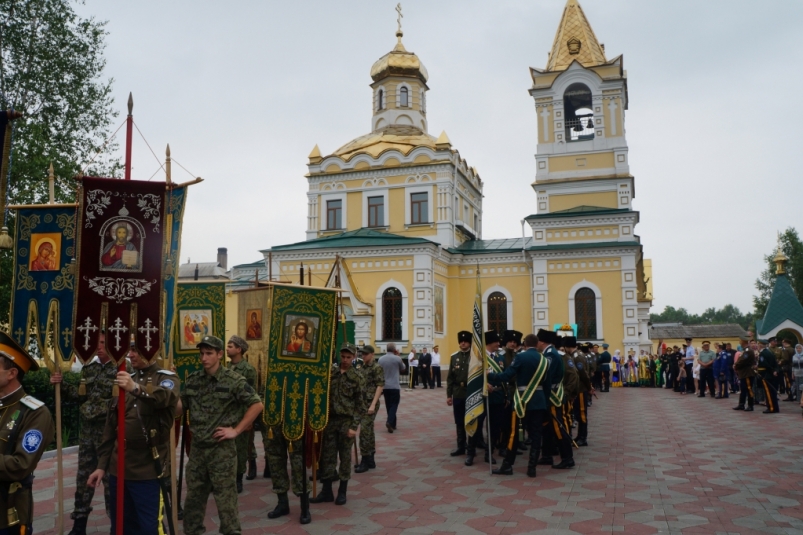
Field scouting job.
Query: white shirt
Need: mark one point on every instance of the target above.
(412, 359)
(436, 358)
(690, 354)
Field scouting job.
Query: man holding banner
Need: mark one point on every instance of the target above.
(456, 381)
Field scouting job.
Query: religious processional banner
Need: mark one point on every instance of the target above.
(44, 281)
(121, 247)
(200, 310)
(176, 200)
(476, 387)
(300, 342)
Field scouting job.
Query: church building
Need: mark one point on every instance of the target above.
(400, 210)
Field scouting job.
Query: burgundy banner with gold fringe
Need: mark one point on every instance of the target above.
(119, 282)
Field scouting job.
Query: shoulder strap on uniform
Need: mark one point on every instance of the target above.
(31, 402)
(167, 372)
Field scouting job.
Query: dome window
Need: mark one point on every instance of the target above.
(404, 97)
(380, 100)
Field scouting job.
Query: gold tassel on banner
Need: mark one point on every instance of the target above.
(82, 387)
(314, 437)
(270, 433)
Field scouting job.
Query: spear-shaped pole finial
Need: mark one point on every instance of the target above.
(51, 184)
(130, 103)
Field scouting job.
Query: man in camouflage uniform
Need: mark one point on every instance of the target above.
(374, 377)
(97, 382)
(235, 350)
(215, 396)
(277, 450)
(346, 408)
(581, 364)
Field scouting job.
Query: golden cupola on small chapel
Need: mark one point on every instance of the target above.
(399, 86)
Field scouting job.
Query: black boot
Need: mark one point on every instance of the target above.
(546, 461)
(325, 495)
(341, 492)
(493, 461)
(266, 471)
(306, 517)
(564, 464)
(533, 461)
(469, 459)
(282, 508)
(739, 408)
(461, 442)
(505, 470)
(239, 483)
(363, 466)
(252, 470)
(371, 462)
(79, 526)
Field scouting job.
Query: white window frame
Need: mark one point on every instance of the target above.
(405, 308)
(375, 193)
(508, 296)
(325, 198)
(597, 293)
(409, 96)
(429, 190)
(377, 109)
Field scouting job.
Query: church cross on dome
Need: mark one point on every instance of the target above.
(399, 18)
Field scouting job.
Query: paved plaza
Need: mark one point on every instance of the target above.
(658, 463)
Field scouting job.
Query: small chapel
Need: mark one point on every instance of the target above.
(399, 210)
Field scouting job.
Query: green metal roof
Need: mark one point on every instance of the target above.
(579, 210)
(353, 238)
(784, 305)
(515, 245)
(258, 264)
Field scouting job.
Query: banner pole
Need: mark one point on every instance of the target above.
(59, 462)
(121, 400)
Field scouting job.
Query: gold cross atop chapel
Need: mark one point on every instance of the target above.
(400, 17)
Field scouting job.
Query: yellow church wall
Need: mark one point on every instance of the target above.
(353, 211)
(607, 232)
(607, 199)
(396, 210)
(610, 285)
(603, 160)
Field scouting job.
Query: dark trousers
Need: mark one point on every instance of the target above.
(498, 415)
(534, 424)
(746, 392)
(436, 377)
(724, 386)
(789, 381)
(707, 378)
(556, 434)
(690, 388)
(670, 378)
(606, 380)
(476, 440)
(770, 392)
(581, 415)
(459, 411)
(392, 397)
(426, 378)
(414, 379)
(141, 506)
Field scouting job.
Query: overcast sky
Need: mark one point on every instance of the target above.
(243, 90)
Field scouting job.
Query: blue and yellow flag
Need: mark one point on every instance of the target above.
(43, 286)
(476, 389)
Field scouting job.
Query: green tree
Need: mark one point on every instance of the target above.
(51, 69)
(792, 247)
(712, 316)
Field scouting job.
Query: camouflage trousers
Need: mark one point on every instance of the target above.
(89, 440)
(212, 469)
(367, 435)
(277, 450)
(245, 447)
(336, 443)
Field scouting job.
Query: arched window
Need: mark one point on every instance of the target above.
(423, 101)
(380, 100)
(585, 313)
(579, 116)
(404, 97)
(497, 312)
(392, 314)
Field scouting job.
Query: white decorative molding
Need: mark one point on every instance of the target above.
(405, 308)
(597, 294)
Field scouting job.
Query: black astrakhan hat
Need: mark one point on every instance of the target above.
(464, 336)
(491, 337)
(548, 337)
(569, 341)
(512, 336)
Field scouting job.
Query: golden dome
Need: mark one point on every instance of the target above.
(399, 62)
(394, 137)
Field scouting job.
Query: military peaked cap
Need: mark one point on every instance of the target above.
(212, 341)
(10, 349)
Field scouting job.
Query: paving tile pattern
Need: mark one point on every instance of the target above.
(658, 463)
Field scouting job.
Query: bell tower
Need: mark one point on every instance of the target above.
(580, 102)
